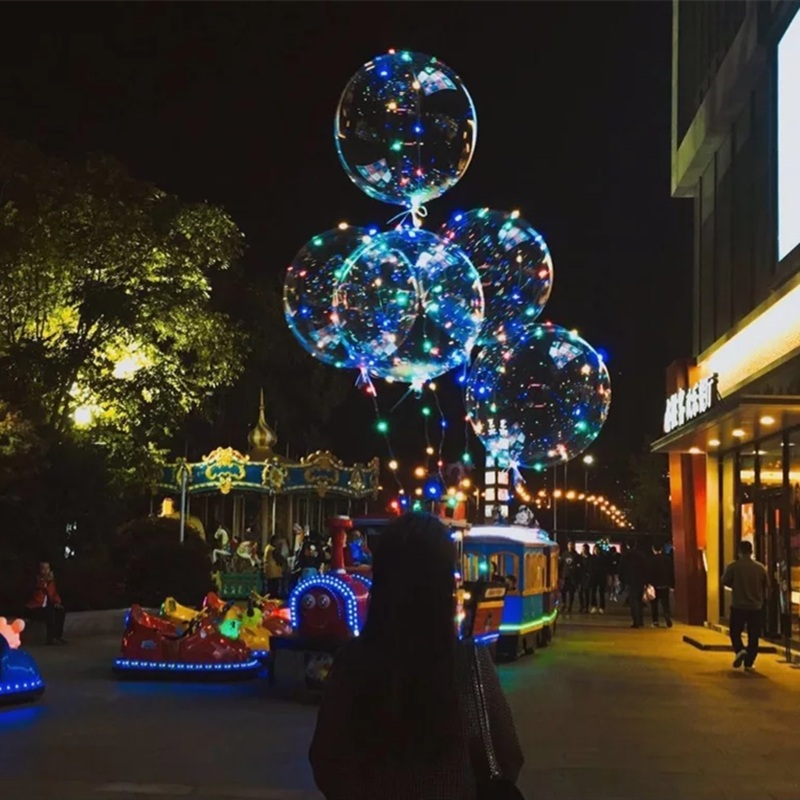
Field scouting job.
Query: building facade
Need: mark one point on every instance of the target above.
(732, 407)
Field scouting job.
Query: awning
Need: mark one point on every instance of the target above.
(732, 421)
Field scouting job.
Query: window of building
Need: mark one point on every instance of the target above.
(789, 140)
(769, 543)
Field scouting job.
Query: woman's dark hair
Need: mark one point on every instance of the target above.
(407, 700)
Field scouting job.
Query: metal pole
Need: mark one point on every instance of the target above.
(184, 477)
(553, 497)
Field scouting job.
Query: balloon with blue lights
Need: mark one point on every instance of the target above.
(308, 293)
(539, 401)
(405, 128)
(514, 264)
(408, 305)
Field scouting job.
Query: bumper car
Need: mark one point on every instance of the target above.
(275, 617)
(20, 680)
(203, 648)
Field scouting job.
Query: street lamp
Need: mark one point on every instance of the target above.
(588, 460)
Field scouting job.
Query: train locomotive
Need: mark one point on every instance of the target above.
(325, 610)
(525, 560)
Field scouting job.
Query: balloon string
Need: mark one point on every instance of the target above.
(364, 380)
(405, 394)
(416, 212)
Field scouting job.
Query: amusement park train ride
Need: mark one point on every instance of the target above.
(507, 578)
(20, 680)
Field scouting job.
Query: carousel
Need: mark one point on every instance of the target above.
(241, 502)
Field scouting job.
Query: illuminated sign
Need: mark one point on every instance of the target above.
(686, 404)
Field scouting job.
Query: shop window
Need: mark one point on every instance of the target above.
(790, 567)
(746, 501)
(769, 511)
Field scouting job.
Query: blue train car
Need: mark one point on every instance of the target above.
(526, 560)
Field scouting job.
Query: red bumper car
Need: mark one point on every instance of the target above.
(152, 646)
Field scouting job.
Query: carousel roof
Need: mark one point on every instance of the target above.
(227, 470)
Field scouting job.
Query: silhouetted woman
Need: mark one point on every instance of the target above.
(398, 719)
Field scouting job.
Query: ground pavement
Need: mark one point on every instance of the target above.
(605, 713)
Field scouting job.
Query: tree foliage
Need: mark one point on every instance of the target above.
(649, 506)
(108, 330)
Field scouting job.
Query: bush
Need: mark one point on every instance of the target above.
(182, 571)
(15, 579)
(156, 565)
(90, 582)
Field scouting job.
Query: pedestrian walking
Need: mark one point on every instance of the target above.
(598, 569)
(568, 568)
(585, 577)
(633, 569)
(749, 581)
(662, 580)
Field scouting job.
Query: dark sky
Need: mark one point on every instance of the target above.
(234, 103)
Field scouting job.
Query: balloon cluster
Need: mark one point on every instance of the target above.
(409, 305)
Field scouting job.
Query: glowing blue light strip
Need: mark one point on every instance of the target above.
(326, 582)
(177, 666)
(486, 638)
(366, 581)
(21, 688)
(260, 654)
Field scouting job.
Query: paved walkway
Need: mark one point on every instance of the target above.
(605, 713)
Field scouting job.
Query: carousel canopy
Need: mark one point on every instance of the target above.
(227, 470)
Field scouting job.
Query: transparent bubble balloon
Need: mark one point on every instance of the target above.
(515, 267)
(308, 292)
(541, 401)
(405, 128)
(434, 282)
(375, 304)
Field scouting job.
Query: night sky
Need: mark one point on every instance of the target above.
(234, 104)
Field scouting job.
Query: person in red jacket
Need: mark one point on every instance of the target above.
(45, 604)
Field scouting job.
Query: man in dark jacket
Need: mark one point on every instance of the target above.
(662, 580)
(749, 581)
(568, 570)
(633, 569)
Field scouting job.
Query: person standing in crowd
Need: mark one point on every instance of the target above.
(568, 570)
(396, 719)
(585, 574)
(613, 573)
(598, 570)
(663, 580)
(749, 581)
(44, 604)
(274, 565)
(633, 571)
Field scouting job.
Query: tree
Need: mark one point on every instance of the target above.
(649, 507)
(108, 332)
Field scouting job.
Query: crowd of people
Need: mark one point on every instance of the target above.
(283, 568)
(598, 575)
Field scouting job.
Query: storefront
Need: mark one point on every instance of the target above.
(732, 411)
(732, 433)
